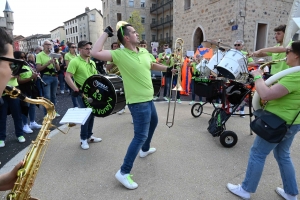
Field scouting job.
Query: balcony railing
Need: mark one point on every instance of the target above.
(162, 21)
(160, 4)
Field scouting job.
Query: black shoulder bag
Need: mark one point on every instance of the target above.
(269, 126)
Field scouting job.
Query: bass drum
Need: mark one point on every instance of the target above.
(213, 62)
(106, 92)
(156, 77)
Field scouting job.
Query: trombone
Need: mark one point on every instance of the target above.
(178, 56)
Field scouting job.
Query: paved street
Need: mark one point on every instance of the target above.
(189, 163)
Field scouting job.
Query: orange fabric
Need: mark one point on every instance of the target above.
(207, 55)
(185, 78)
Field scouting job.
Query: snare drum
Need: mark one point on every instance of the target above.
(217, 57)
(233, 65)
(107, 93)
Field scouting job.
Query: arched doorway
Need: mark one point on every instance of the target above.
(198, 38)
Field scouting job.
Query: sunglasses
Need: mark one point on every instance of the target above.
(288, 51)
(87, 49)
(237, 45)
(15, 65)
(73, 47)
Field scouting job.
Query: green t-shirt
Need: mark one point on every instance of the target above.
(250, 60)
(26, 74)
(136, 75)
(287, 106)
(13, 82)
(81, 69)
(42, 58)
(278, 67)
(164, 61)
(69, 56)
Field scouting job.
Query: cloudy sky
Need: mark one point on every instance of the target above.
(42, 16)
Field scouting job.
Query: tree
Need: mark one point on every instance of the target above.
(136, 21)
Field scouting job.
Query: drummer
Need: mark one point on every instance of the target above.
(238, 45)
(81, 68)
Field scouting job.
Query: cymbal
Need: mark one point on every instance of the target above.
(225, 45)
(209, 44)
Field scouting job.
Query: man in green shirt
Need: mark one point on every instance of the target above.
(134, 64)
(81, 68)
(48, 67)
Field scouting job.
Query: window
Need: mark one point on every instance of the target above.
(119, 16)
(153, 37)
(187, 4)
(143, 36)
(131, 3)
(104, 21)
(92, 17)
(153, 20)
(73, 30)
(103, 5)
(66, 32)
(76, 39)
(118, 2)
(142, 20)
(82, 18)
(161, 36)
(142, 3)
(76, 29)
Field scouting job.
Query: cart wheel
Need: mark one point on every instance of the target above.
(197, 110)
(228, 139)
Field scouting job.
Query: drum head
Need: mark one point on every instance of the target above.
(101, 90)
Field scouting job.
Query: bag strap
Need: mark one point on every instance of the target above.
(295, 118)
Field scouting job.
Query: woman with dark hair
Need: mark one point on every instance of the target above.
(284, 101)
(26, 80)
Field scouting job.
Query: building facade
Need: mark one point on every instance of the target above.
(198, 20)
(7, 22)
(86, 26)
(58, 33)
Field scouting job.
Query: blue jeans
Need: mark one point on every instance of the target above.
(145, 121)
(61, 78)
(15, 109)
(167, 86)
(193, 91)
(74, 99)
(40, 87)
(258, 153)
(31, 113)
(87, 128)
(50, 89)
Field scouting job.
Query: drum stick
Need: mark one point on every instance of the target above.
(90, 100)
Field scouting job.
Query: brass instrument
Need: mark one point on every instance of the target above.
(178, 57)
(261, 67)
(32, 161)
(114, 70)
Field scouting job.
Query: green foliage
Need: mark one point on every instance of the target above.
(136, 21)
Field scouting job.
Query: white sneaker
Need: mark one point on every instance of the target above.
(68, 91)
(84, 144)
(144, 154)
(57, 115)
(201, 102)
(21, 139)
(238, 190)
(34, 125)
(192, 103)
(166, 99)
(284, 195)
(26, 129)
(2, 143)
(94, 139)
(179, 101)
(126, 180)
(121, 111)
(62, 92)
(155, 98)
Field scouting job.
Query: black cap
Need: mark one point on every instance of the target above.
(83, 43)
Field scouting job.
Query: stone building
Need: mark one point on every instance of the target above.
(228, 20)
(7, 22)
(197, 20)
(58, 33)
(86, 26)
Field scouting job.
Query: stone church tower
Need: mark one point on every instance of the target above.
(7, 21)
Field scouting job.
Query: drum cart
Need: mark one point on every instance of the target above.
(211, 89)
(235, 94)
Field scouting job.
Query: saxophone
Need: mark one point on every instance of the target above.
(32, 161)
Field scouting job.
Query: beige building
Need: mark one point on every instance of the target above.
(7, 22)
(58, 33)
(197, 20)
(87, 26)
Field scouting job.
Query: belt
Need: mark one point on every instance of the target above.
(49, 74)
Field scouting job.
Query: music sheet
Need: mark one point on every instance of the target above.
(76, 116)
